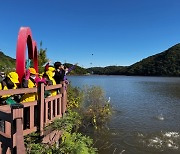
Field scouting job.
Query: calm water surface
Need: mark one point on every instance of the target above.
(147, 114)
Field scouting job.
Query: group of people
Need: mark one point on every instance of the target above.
(52, 75)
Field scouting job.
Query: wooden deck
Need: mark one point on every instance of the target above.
(22, 119)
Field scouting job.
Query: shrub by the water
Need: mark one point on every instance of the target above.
(91, 103)
(72, 142)
(75, 96)
(97, 109)
(86, 107)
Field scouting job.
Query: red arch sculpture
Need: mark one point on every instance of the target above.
(35, 57)
(25, 38)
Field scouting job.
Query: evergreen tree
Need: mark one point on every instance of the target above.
(42, 58)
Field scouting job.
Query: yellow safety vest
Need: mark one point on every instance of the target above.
(31, 96)
(6, 88)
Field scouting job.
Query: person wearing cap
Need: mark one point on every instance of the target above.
(29, 82)
(10, 82)
(48, 76)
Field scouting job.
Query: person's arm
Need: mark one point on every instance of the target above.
(49, 83)
(46, 67)
(72, 67)
(24, 83)
(25, 80)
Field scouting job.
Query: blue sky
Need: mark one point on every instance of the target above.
(116, 32)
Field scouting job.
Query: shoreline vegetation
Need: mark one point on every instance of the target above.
(164, 64)
(87, 109)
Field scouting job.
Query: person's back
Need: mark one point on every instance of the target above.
(29, 82)
(59, 76)
(50, 75)
(10, 82)
(59, 73)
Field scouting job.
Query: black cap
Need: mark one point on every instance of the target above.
(57, 64)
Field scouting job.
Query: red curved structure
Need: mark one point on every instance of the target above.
(25, 38)
(35, 57)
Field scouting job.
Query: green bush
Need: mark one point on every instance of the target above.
(85, 107)
(71, 121)
(75, 96)
(76, 143)
(97, 110)
(72, 143)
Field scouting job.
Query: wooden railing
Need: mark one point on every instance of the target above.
(22, 119)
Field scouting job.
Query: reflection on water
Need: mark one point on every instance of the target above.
(158, 142)
(146, 117)
(160, 117)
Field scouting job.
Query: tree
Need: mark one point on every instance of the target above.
(42, 58)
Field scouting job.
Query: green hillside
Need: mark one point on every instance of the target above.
(109, 70)
(166, 63)
(6, 63)
(77, 70)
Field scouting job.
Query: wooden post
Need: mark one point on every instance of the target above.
(59, 113)
(17, 145)
(63, 101)
(51, 110)
(7, 128)
(41, 107)
(32, 114)
(65, 98)
(55, 111)
(46, 112)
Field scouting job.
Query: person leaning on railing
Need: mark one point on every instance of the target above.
(10, 82)
(29, 82)
(59, 72)
(48, 76)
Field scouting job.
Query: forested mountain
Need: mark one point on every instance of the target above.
(109, 70)
(166, 63)
(6, 63)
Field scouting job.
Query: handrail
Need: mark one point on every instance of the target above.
(26, 90)
(29, 104)
(53, 87)
(53, 98)
(18, 91)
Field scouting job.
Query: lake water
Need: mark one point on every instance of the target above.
(146, 117)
